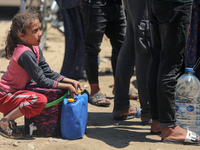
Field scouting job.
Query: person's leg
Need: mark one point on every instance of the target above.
(171, 67)
(95, 24)
(22, 103)
(124, 69)
(142, 62)
(94, 31)
(135, 34)
(173, 35)
(16, 113)
(139, 18)
(155, 46)
(171, 57)
(115, 30)
(73, 62)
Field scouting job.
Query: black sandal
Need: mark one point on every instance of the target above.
(12, 131)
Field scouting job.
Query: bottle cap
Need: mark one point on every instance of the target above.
(79, 92)
(70, 100)
(187, 69)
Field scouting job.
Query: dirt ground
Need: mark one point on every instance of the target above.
(102, 131)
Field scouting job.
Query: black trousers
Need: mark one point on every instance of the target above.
(102, 17)
(135, 51)
(169, 30)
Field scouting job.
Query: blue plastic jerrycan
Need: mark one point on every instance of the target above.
(74, 117)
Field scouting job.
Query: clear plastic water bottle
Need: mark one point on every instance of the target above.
(187, 100)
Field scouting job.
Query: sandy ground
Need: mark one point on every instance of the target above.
(102, 131)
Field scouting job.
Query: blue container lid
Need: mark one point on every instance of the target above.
(187, 69)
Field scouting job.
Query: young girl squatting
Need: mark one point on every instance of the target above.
(26, 63)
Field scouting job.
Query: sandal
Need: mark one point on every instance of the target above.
(99, 97)
(133, 95)
(117, 116)
(11, 131)
(13, 125)
(191, 139)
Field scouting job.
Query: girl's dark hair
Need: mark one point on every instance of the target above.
(20, 23)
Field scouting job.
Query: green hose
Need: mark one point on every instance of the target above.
(57, 101)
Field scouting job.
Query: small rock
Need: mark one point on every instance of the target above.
(15, 144)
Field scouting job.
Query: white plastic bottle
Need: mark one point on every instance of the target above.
(187, 100)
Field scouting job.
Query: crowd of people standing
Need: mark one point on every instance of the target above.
(155, 40)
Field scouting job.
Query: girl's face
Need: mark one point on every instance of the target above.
(33, 35)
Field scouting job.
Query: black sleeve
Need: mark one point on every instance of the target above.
(28, 61)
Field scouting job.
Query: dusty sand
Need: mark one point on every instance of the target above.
(102, 131)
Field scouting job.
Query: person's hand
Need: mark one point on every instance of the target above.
(72, 82)
(72, 91)
(77, 85)
(70, 87)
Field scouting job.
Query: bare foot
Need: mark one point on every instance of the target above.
(4, 124)
(124, 112)
(174, 133)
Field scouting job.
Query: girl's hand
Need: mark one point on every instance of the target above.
(72, 91)
(77, 85)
